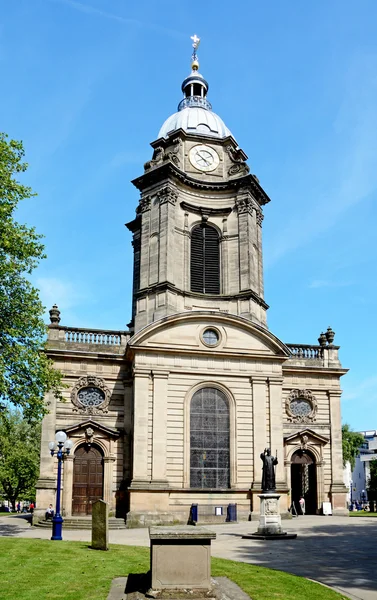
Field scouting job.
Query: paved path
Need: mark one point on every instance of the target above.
(338, 551)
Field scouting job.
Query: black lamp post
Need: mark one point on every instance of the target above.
(61, 447)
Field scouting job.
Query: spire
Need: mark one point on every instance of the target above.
(195, 87)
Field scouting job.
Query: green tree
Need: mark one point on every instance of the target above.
(26, 373)
(351, 442)
(372, 481)
(19, 456)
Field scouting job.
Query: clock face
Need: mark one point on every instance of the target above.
(204, 158)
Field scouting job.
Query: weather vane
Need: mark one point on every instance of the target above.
(195, 45)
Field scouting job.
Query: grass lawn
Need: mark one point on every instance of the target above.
(362, 513)
(47, 570)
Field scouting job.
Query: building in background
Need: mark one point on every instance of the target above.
(361, 473)
(177, 410)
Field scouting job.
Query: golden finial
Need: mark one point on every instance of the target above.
(195, 45)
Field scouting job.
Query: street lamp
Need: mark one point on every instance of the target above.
(61, 447)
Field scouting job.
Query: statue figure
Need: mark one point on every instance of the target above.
(268, 473)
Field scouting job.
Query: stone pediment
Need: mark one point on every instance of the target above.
(306, 436)
(90, 424)
(186, 332)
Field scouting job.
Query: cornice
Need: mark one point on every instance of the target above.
(200, 210)
(170, 170)
(187, 294)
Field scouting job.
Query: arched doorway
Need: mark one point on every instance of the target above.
(87, 479)
(304, 480)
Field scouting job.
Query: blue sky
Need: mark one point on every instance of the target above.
(87, 85)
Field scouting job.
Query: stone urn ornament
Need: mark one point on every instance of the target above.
(330, 334)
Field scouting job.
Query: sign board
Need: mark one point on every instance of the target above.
(326, 508)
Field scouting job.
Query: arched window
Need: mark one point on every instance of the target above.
(209, 440)
(205, 260)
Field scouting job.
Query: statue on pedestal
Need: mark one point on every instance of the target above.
(268, 473)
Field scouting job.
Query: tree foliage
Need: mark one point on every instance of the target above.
(351, 442)
(19, 456)
(372, 481)
(26, 373)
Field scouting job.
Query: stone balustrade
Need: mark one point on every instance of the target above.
(81, 338)
(306, 351)
(312, 355)
(85, 336)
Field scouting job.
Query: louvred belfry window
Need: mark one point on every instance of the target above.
(205, 260)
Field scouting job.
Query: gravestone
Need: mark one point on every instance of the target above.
(100, 525)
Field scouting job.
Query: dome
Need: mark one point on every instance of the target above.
(196, 120)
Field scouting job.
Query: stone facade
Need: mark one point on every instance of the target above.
(130, 393)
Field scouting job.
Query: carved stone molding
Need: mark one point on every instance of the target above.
(97, 383)
(244, 204)
(167, 194)
(301, 414)
(161, 155)
(144, 204)
(260, 218)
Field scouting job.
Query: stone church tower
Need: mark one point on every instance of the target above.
(176, 411)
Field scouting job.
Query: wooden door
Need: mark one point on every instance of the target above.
(87, 480)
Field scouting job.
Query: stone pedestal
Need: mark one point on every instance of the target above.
(270, 520)
(181, 557)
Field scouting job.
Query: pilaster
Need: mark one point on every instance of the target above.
(167, 197)
(338, 490)
(160, 392)
(276, 427)
(259, 425)
(140, 445)
(108, 468)
(67, 486)
(144, 209)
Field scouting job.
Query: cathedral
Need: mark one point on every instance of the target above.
(174, 413)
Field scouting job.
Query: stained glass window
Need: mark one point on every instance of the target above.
(91, 396)
(301, 407)
(209, 440)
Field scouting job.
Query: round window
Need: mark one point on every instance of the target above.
(211, 337)
(301, 407)
(91, 396)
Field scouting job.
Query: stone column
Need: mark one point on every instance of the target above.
(140, 473)
(338, 489)
(46, 484)
(160, 392)
(67, 485)
(108, 495)
(276, 427)
(259, 425)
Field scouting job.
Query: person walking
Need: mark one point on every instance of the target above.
(302, 505)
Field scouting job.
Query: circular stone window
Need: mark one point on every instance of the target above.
(301, 407)
(211, 337)
(91, 396)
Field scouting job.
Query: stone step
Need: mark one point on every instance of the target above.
(82, 523)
